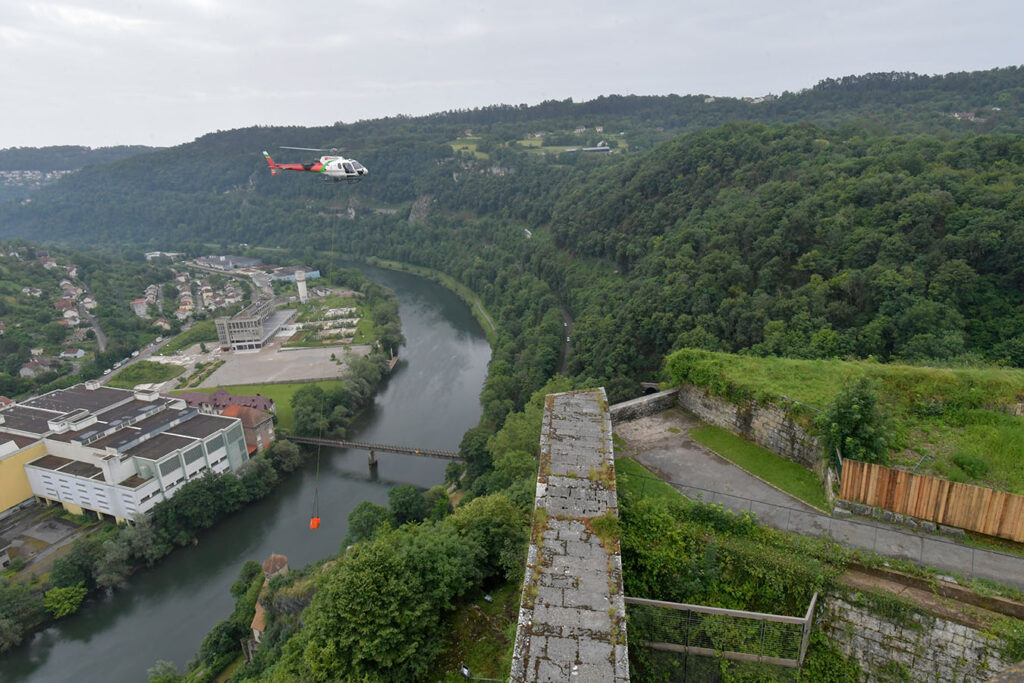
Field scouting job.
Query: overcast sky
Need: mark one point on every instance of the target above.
(163, 72)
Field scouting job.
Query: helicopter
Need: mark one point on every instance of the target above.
(334, 168)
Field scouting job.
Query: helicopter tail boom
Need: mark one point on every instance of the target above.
(270, 162)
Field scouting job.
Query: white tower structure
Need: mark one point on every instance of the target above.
(300, 280)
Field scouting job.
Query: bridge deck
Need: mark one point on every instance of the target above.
(381, 447)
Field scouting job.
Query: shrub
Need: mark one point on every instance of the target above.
(853, 423)
(974, 466)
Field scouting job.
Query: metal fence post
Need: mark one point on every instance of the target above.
(807, 628)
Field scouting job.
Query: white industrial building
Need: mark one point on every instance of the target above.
(117, 452)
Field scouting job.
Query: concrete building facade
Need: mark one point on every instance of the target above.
(110, 451)
(246, 330)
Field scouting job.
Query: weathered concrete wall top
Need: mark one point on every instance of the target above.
(644, 406)
(572, 622)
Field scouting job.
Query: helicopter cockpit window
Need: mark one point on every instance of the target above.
(348, 168)
(358, 166)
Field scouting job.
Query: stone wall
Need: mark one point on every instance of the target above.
(767, 426)
(643, 406)
(932, 649)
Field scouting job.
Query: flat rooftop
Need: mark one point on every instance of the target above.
(66, 400)
(25, 419)
(134, 481)
(132, 410)
(82, 469)
(202, 426)
(159, 446)
(19, 440)
(50, 462)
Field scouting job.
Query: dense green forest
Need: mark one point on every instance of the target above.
(881, 225)
(873, 216)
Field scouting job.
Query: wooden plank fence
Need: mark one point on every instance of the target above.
(986, 511)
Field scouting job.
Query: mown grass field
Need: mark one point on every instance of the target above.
(792, 478)
(144, 372)
(961, 417)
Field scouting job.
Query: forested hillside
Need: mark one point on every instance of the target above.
(888, 221)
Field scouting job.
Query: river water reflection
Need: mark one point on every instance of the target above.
(163, 613)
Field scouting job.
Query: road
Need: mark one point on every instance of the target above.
(563, 365)
(101, 338)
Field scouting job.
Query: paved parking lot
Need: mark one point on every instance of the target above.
(277, 364)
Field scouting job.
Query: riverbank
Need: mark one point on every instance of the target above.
(164, 611)
(448, 282)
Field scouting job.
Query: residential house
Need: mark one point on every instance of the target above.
(64, 305)
(272, 566)
(33, 369)
(215, 403)
(89, 302)
(72, 353)
(141, 308)
(4, 402)
(162, 324)
(257, 425)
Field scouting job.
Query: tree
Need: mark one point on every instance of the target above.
(62, 601)
(114, 563)
(366, 520)
(853, 423)
(54, 332)
(473, 450)
(163, 672)
(407, 504)
(284, 455)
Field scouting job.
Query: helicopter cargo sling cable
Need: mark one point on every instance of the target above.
(314, 519)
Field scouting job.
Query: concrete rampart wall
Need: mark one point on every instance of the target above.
(925, 648)
(651, 404)
(768, 426)
(572, 619)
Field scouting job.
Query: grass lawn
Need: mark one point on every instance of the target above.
(203, 331)
(281, 393)
(795, 480)
(144, 372)
(634, 480)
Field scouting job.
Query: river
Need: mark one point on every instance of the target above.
(430, 400)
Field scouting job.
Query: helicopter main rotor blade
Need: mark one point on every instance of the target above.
(306, 149)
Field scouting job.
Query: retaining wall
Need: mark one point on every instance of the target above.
(767, 426)
(652, 404)
(924, 648)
